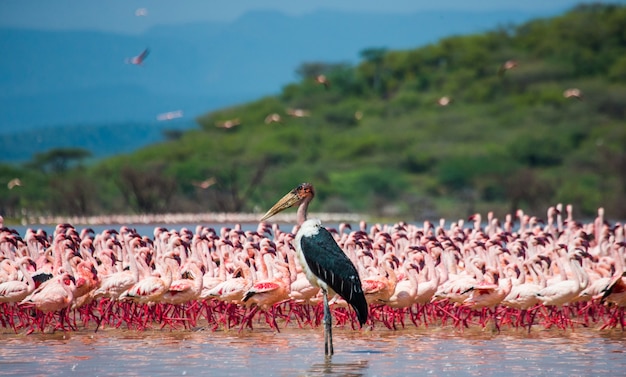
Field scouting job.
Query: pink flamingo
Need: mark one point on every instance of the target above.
(379, 287)
(405, 292)
(139, 59)
(561, 293)
(322, 80)
(523, 294)
(12, 292)
(233, 289)
(54, 296)
(506, 66)
(150, 289)
(273, 118)
(487, 296)
(17, 290)
(273, 288)
(185, 290)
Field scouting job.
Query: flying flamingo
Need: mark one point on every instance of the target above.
(14, 183)
(322, 80)
(205, 184)
(170, 115)
(139, 59)
(273, 118)
(573, 93)
(228, 124)
(298, 113)
(506, 66)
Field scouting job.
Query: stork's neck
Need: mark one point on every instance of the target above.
(301, 215)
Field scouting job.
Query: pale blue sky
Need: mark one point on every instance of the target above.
(119, 15)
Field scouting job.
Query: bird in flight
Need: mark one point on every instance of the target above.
(14, 182)
(205, 184)
(298, 113)
(273, 118)
(170, 115)
(138, 60)
(228, 123)
(444, 101)
(507, 65)
(573, 93)
(322, 80)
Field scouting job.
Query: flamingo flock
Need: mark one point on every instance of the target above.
(523, 273)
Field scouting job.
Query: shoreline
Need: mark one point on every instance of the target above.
(179, 218)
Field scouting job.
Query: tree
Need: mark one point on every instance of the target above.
(236, 186)
(58, 160)
(147, 191)
(74, 193)
(311, 70)
(374, 57)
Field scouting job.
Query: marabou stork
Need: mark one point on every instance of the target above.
(325, 264)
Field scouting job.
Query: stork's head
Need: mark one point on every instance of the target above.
(303, 192)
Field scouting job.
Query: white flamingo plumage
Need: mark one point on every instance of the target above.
(17, 290)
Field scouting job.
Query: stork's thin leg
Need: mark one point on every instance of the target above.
(328, 327)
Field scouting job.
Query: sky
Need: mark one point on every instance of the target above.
(120, 15)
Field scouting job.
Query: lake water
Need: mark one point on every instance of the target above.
(299, 352)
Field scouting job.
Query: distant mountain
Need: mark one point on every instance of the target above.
(54, 79)
(49, 78)
(102, 140)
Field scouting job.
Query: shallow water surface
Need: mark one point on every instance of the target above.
(299, 352)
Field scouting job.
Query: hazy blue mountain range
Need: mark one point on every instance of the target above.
(63, 78)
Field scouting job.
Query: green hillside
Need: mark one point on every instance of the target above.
(376, 141)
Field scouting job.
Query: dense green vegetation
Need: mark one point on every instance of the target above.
(377, 142)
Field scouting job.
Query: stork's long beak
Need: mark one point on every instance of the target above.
(289, 200)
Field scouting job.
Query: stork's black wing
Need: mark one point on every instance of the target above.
(330, 264)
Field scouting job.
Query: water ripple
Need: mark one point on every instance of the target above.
(435, 352)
